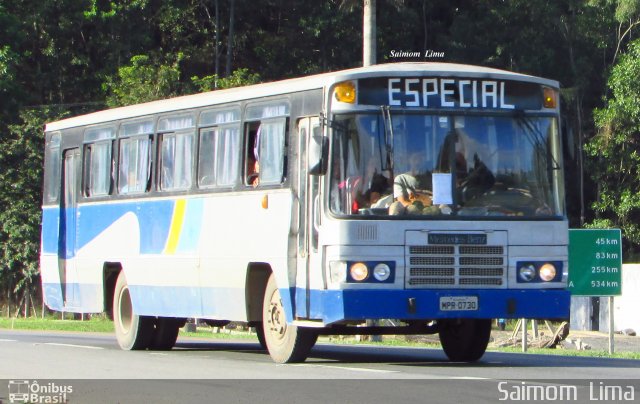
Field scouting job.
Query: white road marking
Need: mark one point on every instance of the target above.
(349, 368)
(73, 345)
(8, 340)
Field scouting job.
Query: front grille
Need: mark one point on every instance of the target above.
(481, 260)
(432, 249)
(464, 266)
(432, 260)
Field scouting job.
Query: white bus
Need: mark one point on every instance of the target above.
(427, 193)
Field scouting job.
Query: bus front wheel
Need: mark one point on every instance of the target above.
(286, 343)
(133, 332)
(464, 340)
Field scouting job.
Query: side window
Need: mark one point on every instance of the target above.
(134, 165)
(228, 156)
(97, 168)
(97, 172)
(176, 161)
(218, 158)
(271, 151)
(52, 170)
(219, 148)
(206, 158)
(265, 144)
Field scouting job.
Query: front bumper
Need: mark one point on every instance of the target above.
(333, 306)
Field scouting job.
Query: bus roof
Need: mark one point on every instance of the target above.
(212, 98)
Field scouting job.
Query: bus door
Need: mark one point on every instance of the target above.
(67, 230)
(309, 259)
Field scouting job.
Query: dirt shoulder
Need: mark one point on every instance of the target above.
(576, 340)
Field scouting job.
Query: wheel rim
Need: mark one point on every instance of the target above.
(275, 317)
(125, 312)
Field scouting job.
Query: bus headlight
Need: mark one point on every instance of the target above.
(359, 271)
(539, 271)
(381, 272)
(547, 272)
(527, 272)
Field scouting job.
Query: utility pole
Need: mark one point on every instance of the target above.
(369, 33)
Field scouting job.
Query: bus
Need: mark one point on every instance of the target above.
(429, 194)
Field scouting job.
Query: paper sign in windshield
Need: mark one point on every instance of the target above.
(442, 191)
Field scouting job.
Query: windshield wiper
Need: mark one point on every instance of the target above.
(388, 135)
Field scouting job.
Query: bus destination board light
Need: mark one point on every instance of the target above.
(595, 262)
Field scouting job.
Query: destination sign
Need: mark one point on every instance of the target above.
(442, 93)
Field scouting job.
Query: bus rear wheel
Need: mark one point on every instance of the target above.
(464, 340)
(286, 343)
(165, 333)
(133, 332)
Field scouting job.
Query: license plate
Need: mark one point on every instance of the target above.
(459, 303)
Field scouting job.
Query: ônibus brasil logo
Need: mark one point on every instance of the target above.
(26, 391)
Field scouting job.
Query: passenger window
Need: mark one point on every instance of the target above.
(52, 170)
(134, 165)
(271, 151)
(218, 156)
(206, 158)
(97, 163)
(228, 156)
(176, 161)
(265, 144)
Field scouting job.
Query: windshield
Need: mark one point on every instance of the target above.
(433, 165)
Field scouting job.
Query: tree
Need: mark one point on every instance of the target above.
(240, 77)
(615, 152)
(143, 81)
(20, 200)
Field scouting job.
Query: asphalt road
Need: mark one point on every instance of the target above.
(198, 370)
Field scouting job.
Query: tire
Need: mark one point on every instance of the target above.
(165, 333)
(464, 340)
(286, 343)
(260, 334)
(133, 332)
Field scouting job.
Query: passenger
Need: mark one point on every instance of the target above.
(253, 160)
(253, 172)
(407, 187)
(375, 184)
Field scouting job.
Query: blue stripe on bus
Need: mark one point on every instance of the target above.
(81, 298)
(50, 226)
(154, 219)
(330, 306)
(191, 227)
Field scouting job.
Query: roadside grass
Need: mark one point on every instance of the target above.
(101, 324)
(570, 352)
(96, 324)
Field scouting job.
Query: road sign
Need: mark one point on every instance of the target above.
(595, 262)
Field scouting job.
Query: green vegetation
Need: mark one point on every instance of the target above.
(95, 324)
